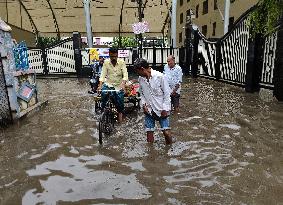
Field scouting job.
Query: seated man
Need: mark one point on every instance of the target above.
(114, 76)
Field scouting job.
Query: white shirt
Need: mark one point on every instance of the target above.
(155, 92)
(174, 76)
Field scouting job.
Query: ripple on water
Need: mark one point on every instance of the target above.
(49, 148)
(135, 166)
(79, 182)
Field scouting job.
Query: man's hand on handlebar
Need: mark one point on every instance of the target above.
(123, 85)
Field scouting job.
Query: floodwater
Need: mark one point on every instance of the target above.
(229, 150)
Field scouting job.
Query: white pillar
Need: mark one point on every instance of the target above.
(88, 23)
(226, 16)
(173, 23)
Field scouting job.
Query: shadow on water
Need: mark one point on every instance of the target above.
(228, 151)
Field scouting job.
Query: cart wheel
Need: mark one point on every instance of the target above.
(100, 130)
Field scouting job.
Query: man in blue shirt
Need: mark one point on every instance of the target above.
(96, 72)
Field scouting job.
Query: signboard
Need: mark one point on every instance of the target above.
(26, 91)
(123, 53)
(95, 53)
(103, 52)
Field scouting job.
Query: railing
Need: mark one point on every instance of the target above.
(55, 59)
(269, 59)
(233, 57)
(156, 56)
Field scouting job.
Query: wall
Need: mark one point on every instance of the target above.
(238, 7)
(16, 17)
(22, 35)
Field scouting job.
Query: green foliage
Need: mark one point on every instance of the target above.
(125, 42)
(265, 18)
(46, 41)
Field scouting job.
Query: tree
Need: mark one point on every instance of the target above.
(125, 42)
(265, 18)
(43, 42)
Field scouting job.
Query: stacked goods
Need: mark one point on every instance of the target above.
(131, 88)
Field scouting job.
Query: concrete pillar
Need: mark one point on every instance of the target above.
(173, 23)
(226, 16)
(77, 52)
(254, 63)
(88, 23)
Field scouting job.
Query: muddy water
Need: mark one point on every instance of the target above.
(229, 150)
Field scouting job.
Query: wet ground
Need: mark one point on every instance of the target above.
(229, 150)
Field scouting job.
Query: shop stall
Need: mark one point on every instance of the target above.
(20, 80)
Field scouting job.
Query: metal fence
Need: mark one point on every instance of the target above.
(232, 57)
(156, 56)
(56, 59)
(270, 45)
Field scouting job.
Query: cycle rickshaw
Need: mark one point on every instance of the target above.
(108, 115)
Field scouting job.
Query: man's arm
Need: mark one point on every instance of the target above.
(143, 101)
(166, 96)
(175, 89)
(102, 76)
(180, 76)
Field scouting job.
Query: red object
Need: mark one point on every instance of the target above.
(135, 88)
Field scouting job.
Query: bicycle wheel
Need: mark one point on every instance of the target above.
(108, 123)
(101, 127)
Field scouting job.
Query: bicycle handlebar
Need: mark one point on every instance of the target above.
(110, 90)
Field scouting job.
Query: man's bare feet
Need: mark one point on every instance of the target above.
(168, 139)
(150, 137)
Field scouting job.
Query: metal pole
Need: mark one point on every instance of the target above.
(88, 23)
(173, 23)
(140, 20)
(226, 16)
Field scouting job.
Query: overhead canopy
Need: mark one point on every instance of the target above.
(63, 17)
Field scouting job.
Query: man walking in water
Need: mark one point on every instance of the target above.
(155, 99)
(174, 76)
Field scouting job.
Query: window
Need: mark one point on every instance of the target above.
(180, 37)
(197, 7)
(205, 7)
(231, 22)
(181, 2)
(181, 18)
(215, 5)
(188, 0)
(204, 30)
(213, 29)
(188, 13)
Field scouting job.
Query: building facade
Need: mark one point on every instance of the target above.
(209, 16)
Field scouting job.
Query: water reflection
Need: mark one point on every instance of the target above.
(228, 151)
(74, 179)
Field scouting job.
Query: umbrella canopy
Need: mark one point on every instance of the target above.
(108, 17)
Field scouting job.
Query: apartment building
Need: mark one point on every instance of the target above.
(209, 16)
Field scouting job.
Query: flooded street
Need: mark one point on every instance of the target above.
(229, 150)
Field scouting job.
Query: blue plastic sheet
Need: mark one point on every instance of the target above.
(21, 56)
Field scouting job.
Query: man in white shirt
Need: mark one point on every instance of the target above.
(174, 76)
(155, 99)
